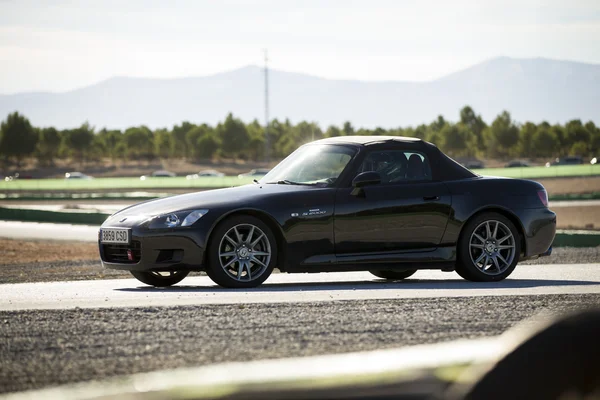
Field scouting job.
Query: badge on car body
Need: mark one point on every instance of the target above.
(310, 213)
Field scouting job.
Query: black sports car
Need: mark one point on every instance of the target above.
(389, 205)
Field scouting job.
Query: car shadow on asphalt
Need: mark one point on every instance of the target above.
(375, 284)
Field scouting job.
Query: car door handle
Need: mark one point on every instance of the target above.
(431, 198)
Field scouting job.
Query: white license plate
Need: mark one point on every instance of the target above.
(114, 236)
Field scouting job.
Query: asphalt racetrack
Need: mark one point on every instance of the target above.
(299, 288)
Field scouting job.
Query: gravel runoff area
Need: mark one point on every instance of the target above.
(45, 348)
(45, 261)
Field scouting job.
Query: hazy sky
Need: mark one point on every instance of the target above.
(61, 45)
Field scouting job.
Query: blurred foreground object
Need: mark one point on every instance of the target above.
(542, 360)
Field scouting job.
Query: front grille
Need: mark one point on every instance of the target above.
(117, 253)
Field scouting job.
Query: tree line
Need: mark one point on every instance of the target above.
(471, 136)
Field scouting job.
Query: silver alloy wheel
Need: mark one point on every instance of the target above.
(244, 252)
(492, 247)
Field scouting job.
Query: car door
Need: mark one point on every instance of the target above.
(407, 210)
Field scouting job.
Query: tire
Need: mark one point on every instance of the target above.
(242, 252)
(158, 280)
(488, 249)
(393, 275)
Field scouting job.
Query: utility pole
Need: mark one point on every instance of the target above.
(267, 147)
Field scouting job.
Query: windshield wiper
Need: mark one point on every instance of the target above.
(288, 182)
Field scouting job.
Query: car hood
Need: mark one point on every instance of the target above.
(235, 197)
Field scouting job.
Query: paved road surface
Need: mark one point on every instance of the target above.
(297, 288)
(35, 230)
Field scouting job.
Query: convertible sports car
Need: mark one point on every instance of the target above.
(389, 205)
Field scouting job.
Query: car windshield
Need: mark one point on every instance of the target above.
(318, 165)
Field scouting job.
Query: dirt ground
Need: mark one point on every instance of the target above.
(556, 186)
(577, 217)
(42, 261)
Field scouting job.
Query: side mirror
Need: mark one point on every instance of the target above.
(366, 179)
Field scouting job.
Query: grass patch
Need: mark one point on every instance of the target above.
(543, 172)
(122, 183)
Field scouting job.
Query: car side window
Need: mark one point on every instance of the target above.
(397, 166)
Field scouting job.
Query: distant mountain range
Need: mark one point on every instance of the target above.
(530, 89)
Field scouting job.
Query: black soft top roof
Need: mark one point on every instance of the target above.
(443, 167)
(366, 140)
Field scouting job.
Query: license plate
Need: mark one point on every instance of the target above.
(114, 236)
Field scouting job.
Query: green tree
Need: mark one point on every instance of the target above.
(528, 132)
(193, 136)
(454, 140)
(179, 139)
(333, 131)
(576, 133)
(48, 146)
(207, 146)
(594, 137)
(421, 131)
(347, 129)
(77, 142)
(580, 148)
(563, 146)
(502, 136)
(278, 131)
(111, 143)
(164, 144)
(139, 142)
(438, 124)
(256, 145)
(544, 142)
(475, 125)
(233, 135)
(18, 139)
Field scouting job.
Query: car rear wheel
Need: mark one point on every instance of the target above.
(393, 275)
(488, 249)
(160, 279)
(242, 252)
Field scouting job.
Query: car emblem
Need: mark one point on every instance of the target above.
(123, 220)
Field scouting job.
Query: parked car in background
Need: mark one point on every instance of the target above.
(474, 164)
(570, 160)
(159, 174)
(517, 164)
(77, 175)
(207, 172)
(17, 175)
(210, 172)
(255, 172)
(163, 174)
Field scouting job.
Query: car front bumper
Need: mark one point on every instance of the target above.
(156, 251)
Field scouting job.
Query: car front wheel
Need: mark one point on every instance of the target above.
(242, 252)
(488, 249)
(160, 279)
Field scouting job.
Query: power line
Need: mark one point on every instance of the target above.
(267, 147)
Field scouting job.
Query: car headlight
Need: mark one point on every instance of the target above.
(176, 219)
